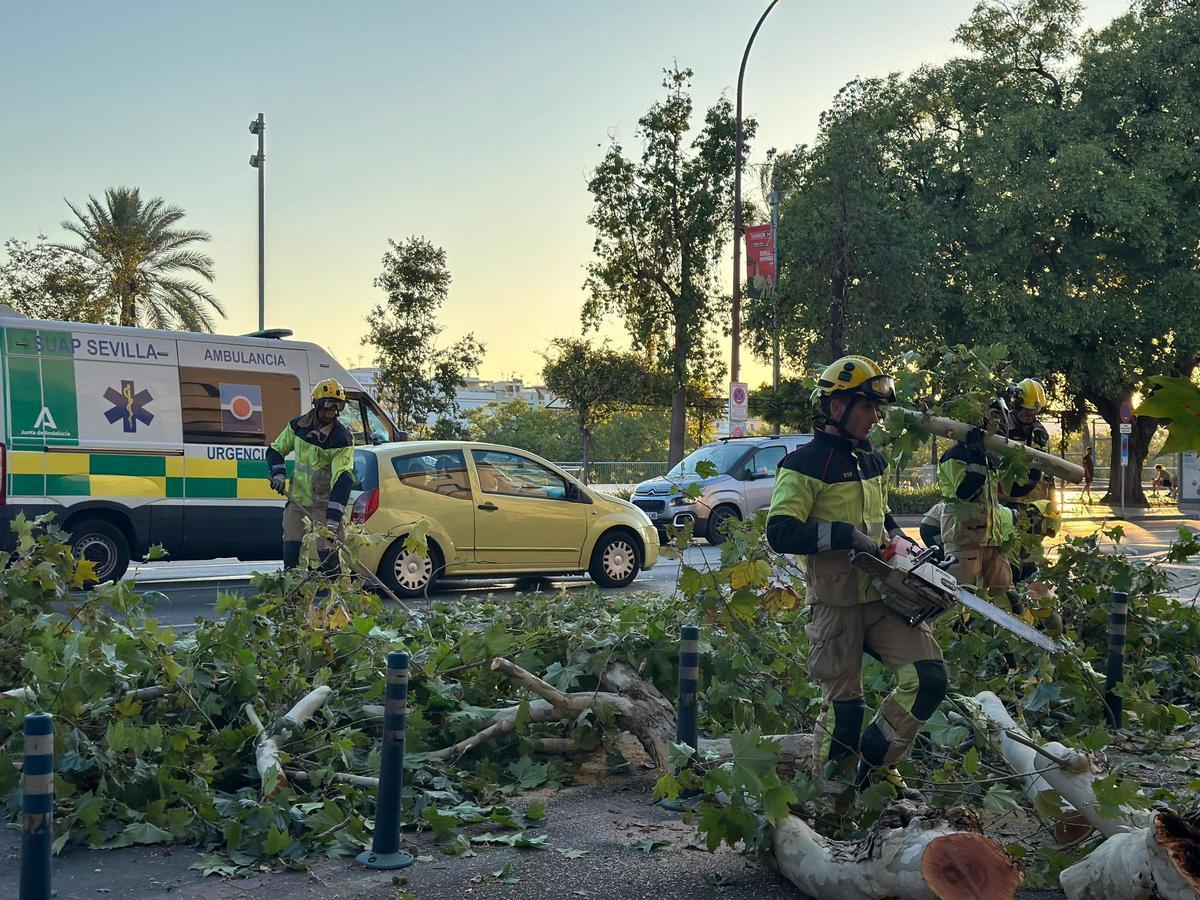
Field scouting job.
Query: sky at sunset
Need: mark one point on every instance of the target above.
(474, 124)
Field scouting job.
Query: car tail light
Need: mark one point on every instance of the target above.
(365, 506)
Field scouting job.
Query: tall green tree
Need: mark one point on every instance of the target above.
(662, 220)
(1042, 191)
(594, 381)
(145, 259)
(44, 281)
(852, 257)
(417, 378)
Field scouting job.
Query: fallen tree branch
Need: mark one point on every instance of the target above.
(1159, 862)
(266, 753)
(911, 854)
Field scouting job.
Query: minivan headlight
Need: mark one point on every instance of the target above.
(682, 501)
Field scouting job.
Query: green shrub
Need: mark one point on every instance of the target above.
(912, 501)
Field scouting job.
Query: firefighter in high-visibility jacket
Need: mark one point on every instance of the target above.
(1035, 512)
(973, 517)
(322, 473)
(831, 497)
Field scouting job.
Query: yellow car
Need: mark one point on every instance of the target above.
(491, 511)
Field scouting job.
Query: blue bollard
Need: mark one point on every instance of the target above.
(37, 820)
(1115, 671)
(386, 852)
(686, 731)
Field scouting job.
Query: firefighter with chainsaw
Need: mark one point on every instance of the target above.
(1032, 501)
(830, 498)
(322, 474)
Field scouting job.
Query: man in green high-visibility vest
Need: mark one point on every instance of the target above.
(322, 473)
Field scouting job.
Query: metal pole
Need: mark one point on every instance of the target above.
(385, 852)
(37, 806)
(735, 354)
(775, 298)
(686, 730)
(1115, 672)
(259, 161)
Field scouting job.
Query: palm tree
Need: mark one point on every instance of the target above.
(143, 256)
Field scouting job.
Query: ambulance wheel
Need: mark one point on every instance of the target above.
(102, 544)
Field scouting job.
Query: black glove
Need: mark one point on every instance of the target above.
(863, 543)
(975, 437)
(277, 483)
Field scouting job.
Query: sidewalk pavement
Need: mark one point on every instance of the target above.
(614, 823)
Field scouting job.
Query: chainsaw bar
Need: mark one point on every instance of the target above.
(919, 600)
(1019, 627)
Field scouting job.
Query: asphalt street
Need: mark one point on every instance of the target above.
(189, 589)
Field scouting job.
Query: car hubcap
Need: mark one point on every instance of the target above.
(413, 571)
(100, 551)
(618, 560)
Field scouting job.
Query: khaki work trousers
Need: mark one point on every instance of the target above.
(838, 636)
(296, 526)
(985, 568)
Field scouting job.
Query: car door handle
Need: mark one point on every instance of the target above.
(488, 507)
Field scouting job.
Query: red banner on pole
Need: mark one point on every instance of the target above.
(760, 259)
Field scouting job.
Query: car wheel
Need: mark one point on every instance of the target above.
(410, 574)
(615, 561)
(719, 517)
(103, 544)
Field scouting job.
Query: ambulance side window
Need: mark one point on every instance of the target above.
(221, 406)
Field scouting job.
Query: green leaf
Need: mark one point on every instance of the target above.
(528, 773)
(1043, 695)
(535, 812)
(971, 761)
(571, 852)
(1177, 399)
(145, 833)
(753, 758)
(777, 802)
(276, 841)
(506, 875)
(1000, 799)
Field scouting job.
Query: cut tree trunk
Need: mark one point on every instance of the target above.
(911, 854)
(1159, 862)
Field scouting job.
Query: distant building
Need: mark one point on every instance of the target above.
(473, 393)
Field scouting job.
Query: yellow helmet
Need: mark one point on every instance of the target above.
(328, 389)
(1029, 394)
(857, 375)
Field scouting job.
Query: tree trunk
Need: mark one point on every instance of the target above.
(910, 853)
(587, 451)
(1159, 862)
(679, 368)
(1139, 448)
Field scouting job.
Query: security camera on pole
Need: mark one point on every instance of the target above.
(259, 161)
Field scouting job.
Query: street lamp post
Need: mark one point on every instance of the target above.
(735, 355)
(259, 161)
(774, 201)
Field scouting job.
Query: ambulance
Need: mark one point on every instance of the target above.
(135, 437)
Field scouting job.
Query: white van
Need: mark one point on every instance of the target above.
(137, 437)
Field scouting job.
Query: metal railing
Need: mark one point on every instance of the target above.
(616, 473)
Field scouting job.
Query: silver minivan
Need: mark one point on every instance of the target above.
(742, 486)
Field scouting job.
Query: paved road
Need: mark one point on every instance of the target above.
(190, 588)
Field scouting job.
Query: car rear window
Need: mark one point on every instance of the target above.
(366, 471)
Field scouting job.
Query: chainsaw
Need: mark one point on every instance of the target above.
(914, 584)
